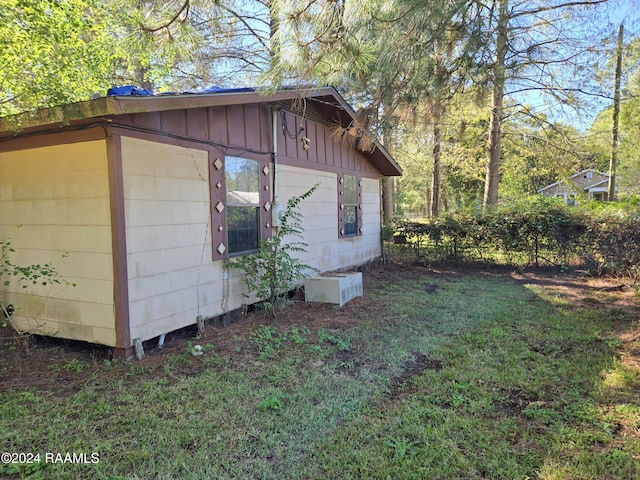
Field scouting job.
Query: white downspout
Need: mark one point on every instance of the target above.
(275, 218)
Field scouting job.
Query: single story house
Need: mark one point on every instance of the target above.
(138, 199)
(590, 182)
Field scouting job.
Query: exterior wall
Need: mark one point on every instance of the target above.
(568, 193)
(325, 251)
(59, 196)
(172, 276)
(322, 161)
(559, 189)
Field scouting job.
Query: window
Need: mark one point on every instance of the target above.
(242, 179)
(350, 201)
(569, 198)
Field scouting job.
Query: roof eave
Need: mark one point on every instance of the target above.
(61, 115)
(117, 105)
(386, 164)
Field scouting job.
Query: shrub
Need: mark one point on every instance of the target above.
(614, 244)
(274, 269)
(603, 238)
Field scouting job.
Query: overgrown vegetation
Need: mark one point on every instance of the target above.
(537, 231)
(25, 276)
(275, 268)
(466, 376)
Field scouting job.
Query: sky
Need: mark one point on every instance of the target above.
(615, 12)
(627, 10)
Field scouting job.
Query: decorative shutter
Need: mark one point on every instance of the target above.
(359, 183)
(266, 199)
(218, 205)
(340, 206)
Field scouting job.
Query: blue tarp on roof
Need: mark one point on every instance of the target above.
(217, 89)
(131, 90)
(128, 90)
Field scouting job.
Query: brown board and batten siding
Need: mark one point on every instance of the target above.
(324, 152)
(233, 127)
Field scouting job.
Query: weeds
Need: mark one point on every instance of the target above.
(266, 340)
(74, 365)
(274, 403)
(38, 276)
(343, 344)
(402, 446)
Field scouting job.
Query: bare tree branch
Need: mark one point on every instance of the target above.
(184, 8)
(550, 8)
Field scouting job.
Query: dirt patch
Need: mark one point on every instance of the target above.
(61, 367)
(584, 291)
(412, 368)
(512, 402)
(430, 288)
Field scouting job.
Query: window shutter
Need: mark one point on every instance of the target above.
(341, 206)
(266, 199)
(218, 215)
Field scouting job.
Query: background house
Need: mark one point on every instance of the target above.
(149, 194)
(590, 182)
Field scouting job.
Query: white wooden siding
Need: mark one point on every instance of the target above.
(172, 277)
(54, 200)
(325, 250)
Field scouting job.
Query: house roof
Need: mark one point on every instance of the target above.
(598, 185)
(129, 100)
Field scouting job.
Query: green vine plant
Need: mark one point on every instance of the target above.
(275, 269)
(43, 275)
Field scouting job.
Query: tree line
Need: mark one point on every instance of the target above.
(474, 98)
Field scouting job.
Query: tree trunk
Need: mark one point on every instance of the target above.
(388, 206)
(616, 114)
(437, 112)
(274, 34)
(435, 183)
(495, 124)
(387, 201)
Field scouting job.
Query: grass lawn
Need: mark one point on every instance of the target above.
(443, 375)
